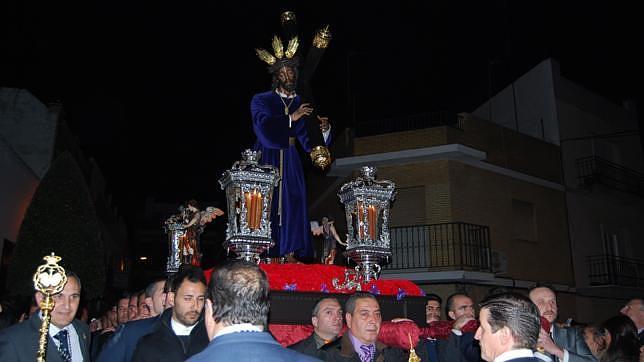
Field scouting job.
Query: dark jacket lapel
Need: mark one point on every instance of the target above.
(83, 338)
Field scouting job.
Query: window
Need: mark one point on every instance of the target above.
(523, 221)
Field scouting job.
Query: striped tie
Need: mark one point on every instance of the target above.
(367, 352)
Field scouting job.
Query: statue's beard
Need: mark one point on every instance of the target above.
(288, 86)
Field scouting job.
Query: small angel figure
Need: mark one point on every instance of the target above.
(194, 221)
(330, 235)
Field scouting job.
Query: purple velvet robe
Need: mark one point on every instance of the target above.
(271, 126)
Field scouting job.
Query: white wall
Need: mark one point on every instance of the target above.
(28, 127)
(571, 112)
(532, 95)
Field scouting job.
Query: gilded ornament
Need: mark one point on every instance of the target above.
(322, 38)
(287, 16)
(321, 157)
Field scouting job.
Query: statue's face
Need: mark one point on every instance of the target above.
(287, 78)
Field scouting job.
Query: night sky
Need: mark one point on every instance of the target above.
(159, 94)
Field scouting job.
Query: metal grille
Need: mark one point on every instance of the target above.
(449, 246)
(614, 270)
(596, 170)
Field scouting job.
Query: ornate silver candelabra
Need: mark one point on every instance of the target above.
(366, 204)
(249, 192)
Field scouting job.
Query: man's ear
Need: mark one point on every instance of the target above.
(39, 298)
(505, 336)
(170, 299)
(148, 302)
(347, 317)
(451, 314)
(314, 321)
(209, 321)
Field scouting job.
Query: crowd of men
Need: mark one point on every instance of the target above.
(186, 318)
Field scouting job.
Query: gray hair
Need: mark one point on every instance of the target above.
(516, 312)
(239, 294)
(350, 305)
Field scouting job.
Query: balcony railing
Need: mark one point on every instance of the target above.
(593, 169)
(438, 247)
(407, 123)
(615, 270)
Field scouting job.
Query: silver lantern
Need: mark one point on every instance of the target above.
(175, 230)
(249, 191)
(366, 203)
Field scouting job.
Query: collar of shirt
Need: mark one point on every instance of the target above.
(356, 344)
(284, 95)
(179, 329)
(319, 341)
(235, 328)
(53, 330)
(515, 353)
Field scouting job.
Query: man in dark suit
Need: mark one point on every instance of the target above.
(327, 324)
(634, 309)
(360, 341)
(180, 331)
(68, 338)
(508, 329)
(460, 346)
(432, 315)
(236, 317)
(566, 344)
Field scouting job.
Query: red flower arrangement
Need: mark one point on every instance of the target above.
(319, 278)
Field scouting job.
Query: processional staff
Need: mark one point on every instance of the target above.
(49, 279)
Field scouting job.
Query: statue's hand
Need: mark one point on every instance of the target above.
(324, 123)
(304, 109)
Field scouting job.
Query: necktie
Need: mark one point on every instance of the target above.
(63, 345)
(367, 352)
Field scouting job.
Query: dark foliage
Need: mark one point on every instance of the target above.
(60, 219)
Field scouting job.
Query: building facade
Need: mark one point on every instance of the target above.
(540, 184)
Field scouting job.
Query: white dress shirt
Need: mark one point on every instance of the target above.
(181, 330)
(515, 353)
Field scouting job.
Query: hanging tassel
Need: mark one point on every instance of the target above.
(413, 357)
